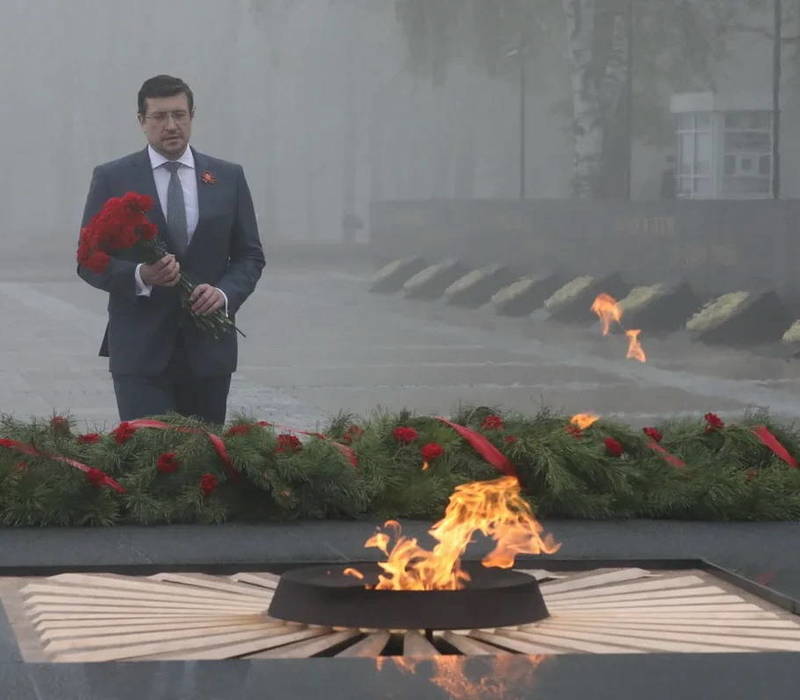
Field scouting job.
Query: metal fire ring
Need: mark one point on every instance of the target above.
(324, 595)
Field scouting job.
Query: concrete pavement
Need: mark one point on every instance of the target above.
(318, 342)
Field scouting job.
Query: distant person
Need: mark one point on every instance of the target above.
(159, 361)
(668, 185)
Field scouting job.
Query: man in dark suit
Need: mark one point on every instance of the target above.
(159, 360)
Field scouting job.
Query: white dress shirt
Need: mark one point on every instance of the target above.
(188, 180)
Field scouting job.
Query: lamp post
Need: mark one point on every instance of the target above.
(520, 52)
(776, 98)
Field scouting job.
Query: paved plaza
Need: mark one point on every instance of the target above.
(318, 342)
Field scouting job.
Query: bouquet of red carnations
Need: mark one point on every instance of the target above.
(121, 224)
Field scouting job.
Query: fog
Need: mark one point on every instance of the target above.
(333, 104)
(490, 130)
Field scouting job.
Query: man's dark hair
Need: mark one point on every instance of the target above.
(164, 86)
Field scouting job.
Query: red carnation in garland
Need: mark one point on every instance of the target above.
(167, 463)
(59, 425)
(492, 423)
(123, 432)
(352, 433)
(404, 434)
(208, 484)
(510, 439)
(242, 429)
(574, 430)
(89, 438)
(713, 422)
(653, 433)
(614, 447)
(431, 451)
(95, 477)
(288, 443)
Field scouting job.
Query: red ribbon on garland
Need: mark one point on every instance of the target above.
(103, 478)
(483, 447)
(348, 452)
(668, 456)
(215, 440)
(768, 439)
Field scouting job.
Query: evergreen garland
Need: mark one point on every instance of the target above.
(608, 470)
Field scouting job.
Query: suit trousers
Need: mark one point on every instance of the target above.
(175, 390)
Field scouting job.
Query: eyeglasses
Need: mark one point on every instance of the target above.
(179, 116)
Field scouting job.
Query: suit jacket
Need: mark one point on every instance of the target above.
(225, 251)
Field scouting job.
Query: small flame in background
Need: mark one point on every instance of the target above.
(609, 311)
(583, 420)
(496, 508)
(635, 351)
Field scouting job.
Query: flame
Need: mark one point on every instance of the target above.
(425, 466)
(508, 673)
(635, 351)
(583, 420)
(496, 508)
(608, 310)
(350, 571)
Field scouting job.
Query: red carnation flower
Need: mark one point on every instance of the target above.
(713, 422)
(288, 443)
(59, 425)
(137, 203)
(492, 423)
(208, 484)
(167, 463)
(352, 433)
(88, 438)
(95, 477)
(431, 451)
(511, 439)
(653, 433)
(404, 434)
(574, 430)
(97, 261)
(242, 429)
(614, 447)
(123, 432)
(147, 230)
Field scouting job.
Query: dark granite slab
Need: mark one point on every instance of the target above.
(766, 551)
(599, 677)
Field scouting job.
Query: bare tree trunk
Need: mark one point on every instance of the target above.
(614, 86)
(597, 39)
(586, 104)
